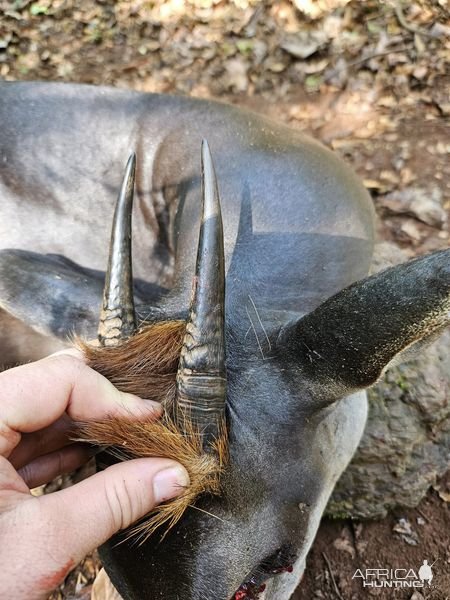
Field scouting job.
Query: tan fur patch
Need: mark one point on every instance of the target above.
(146, 365)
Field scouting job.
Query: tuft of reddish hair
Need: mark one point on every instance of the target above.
(128, 439)
(146, 364)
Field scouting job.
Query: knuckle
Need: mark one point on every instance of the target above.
(69, 361)
(74, 368)
(120, 504)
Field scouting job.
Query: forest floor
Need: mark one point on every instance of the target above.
(369, 79)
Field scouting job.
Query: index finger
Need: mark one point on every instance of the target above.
(33, 396)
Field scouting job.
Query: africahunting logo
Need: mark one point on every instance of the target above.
(396, 578)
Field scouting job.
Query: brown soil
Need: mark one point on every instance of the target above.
(369, 79)
(349, 545)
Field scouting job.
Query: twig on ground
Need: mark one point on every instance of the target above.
(422, 515)
(358, 61)
(397, 5)
(364, 59)
(330, 570)
(249, 28)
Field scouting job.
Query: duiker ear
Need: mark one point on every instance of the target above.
(349, 340)
(49, 293)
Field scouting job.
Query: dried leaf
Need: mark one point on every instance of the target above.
(344, 545)
(103, 589)
(404, 529)
(304, 43)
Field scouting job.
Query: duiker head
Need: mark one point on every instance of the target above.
(266, 435)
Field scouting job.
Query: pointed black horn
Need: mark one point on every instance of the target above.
(201, 377)
(117, 318)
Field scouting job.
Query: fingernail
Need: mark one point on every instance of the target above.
(170, 483)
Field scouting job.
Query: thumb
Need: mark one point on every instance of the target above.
(86, 515)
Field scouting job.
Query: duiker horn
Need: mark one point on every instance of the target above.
(201, 376)
(192, 431)
(117, 318)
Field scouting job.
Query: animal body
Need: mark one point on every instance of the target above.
(301, 342)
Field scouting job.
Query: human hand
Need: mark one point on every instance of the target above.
(43, 538)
